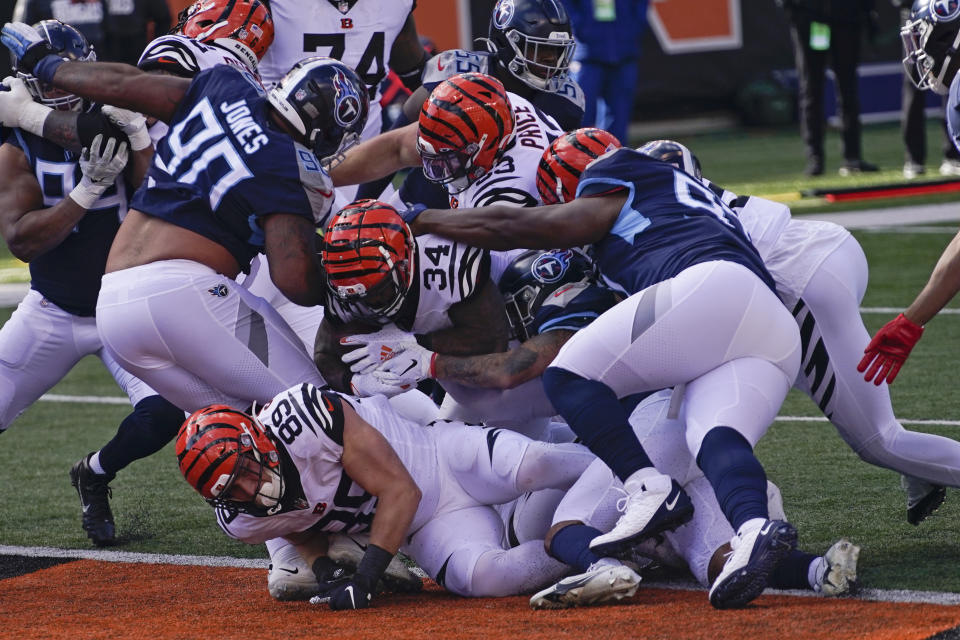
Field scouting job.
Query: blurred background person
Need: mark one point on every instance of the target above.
(129, 25)
(822, 30)
(608, 35)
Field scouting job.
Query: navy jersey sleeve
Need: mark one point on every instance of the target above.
(572, 307)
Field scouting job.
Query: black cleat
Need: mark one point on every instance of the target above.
(95, 493)
(925, 507)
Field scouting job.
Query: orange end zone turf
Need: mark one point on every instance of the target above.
(92, 600)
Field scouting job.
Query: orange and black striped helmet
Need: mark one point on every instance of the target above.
(564, 160)
(227, 457)
(368, 258)
(245, 21)
(465, 126)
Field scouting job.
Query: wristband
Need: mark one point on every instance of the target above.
(139, 139)
(46, 67)
(433, 365)
(86, 193)
(412, 79)
(372, 566)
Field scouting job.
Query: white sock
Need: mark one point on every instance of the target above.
(818, 567)
(95, 464)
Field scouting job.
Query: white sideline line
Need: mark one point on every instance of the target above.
(942, 312)
(56, 397)
(880, 595)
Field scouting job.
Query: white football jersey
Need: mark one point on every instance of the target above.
(792, 250)
(448, 272)
(359, 33)
(309, 424)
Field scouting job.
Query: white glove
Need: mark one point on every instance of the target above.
(376, 347)
(410, 366)
(18, 109)
(100, 170)
(131, 123)
(372, 384)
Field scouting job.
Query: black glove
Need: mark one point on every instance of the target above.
(351, 593)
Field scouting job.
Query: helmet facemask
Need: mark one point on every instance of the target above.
(930, 52)
(541, 63)
(71, 46)
(256, 484)
(452, 168)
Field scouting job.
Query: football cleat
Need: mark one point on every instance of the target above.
(758, 547)
(347, 550)
(652, 505)
(839, 577)
(600, 583)
(289, 578)
(923, 498)
(95, 493)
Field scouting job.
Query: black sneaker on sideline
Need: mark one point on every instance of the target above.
(851, 167)
(95, 493)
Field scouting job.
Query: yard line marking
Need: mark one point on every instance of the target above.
(949, 312)
(56, 397)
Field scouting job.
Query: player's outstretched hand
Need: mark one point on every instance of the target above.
(26, 44)
(375, 348)
(889, 349)
(17, 107)
(410, 366)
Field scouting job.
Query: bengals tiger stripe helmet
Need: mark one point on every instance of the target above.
(228, 458)
(465, 126)
(565, 159)
(242, 26)
(368, 258)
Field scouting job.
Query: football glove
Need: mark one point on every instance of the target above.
(18, 109)
(410, 366)
(376, 383)
(100, 170)
(131, 123)
(375, 347)
(34, 54)
(889, 349)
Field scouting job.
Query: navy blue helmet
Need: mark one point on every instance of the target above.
(533, 40)
(673, 153)
(533, 276)
(931, 36)
(325, 101)
(69, 44)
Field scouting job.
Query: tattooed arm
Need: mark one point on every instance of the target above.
(503, 370)
(124, 86)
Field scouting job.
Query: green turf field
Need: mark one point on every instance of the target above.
(828, 492)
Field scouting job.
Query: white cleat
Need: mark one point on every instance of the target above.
(653, 504)
(602, 583)
(347, 549)
(839, 577)
(289, 577)
(758, 547)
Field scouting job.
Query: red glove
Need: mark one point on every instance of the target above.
(888, 350)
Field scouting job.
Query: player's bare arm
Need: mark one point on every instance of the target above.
(503, 370)
(326, 355)
(480, 325)
(407, 54)
(288, 241)
(943, 285)
(499, 227)
(29, 228)
(378, 157)
(124, 86)
(373, 464)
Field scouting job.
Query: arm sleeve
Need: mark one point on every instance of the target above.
(89, 125)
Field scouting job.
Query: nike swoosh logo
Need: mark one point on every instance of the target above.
(766, 528)
(439, 66)
(290, 571)
(353, 603)
(672, 503)
(413, 363)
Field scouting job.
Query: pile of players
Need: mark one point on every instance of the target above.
(538, 278)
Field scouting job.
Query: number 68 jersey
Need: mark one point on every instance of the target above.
(306, 424)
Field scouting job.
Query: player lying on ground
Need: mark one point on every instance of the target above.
(315, 462)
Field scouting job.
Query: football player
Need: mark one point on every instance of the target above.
(366, 35)
(529, 49)
(433, 291)
(313, 462)
(821, 275)
(672, 260)
(60, 209)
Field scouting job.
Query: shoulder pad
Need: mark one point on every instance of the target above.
(572, 92)
(453, 61)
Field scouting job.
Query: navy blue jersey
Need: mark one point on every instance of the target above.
(572, 307)
(564, 105)
(223, 165)
(669, 222)
(69, 274)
